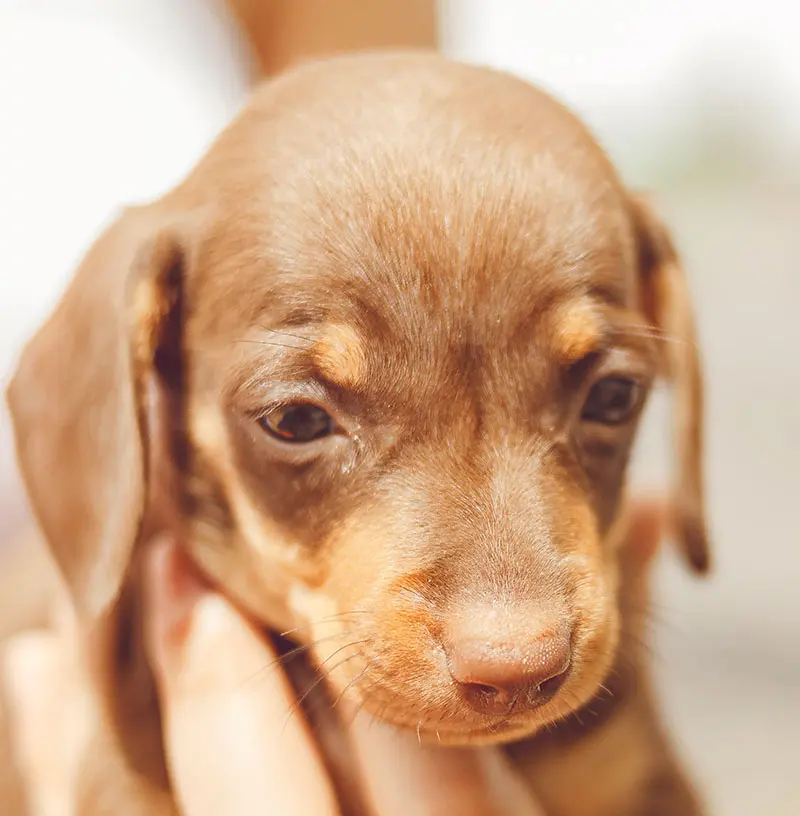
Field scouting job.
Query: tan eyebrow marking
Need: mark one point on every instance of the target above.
(339, 354)
(579, 330)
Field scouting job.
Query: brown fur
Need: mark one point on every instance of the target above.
(442, 257)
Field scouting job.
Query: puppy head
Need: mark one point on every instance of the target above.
(400, 324)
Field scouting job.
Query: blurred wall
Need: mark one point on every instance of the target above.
(652, 77)
(102, 103)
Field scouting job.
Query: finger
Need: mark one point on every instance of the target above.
(51, 718)
(401, 776)
(231, 746)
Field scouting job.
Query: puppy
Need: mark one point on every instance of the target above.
(379, 361)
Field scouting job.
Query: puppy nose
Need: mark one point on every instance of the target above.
(495, 676)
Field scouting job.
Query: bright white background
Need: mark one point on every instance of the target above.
(107, 102)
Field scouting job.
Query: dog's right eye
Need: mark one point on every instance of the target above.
(297, 423)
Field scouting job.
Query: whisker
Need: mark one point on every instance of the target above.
(650, 336)
(623, 327)
(358, 709)
(295, 707)
(269, 343)
(576, 713)
(648, 332)
(365, 697)
(341, 648)
(283, 659)
(330, 619)
(300, 337)
(344, 691)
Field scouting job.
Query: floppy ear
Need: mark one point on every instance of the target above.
(77, 402)
(667, 304)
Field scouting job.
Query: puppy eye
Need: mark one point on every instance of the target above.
(298, 423)
(611, 401)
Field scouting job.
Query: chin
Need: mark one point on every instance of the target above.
(456, 725)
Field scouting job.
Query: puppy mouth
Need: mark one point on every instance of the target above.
(449, 728)
(461, 696)
(451, 721)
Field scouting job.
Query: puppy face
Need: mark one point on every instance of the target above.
(418, 320)
(417, 408)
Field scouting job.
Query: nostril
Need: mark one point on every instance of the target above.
(483, 688)
(495, 677)
(547, 688)
(490, 699)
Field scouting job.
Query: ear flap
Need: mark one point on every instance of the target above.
(667, 304)
(77, 402)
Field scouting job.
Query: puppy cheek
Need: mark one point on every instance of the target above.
(339, 613)
(334, 636)
(393, 663)
(403, 678)
(597, 628)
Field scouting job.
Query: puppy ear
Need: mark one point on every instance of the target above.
(78, 398)
(667, 305)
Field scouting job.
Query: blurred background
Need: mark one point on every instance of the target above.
(108, 102)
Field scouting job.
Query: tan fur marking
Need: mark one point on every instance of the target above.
(578, 330)
(340, 355)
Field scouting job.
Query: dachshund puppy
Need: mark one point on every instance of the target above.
(379, 361)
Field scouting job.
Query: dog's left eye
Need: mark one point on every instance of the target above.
(611, 401)
(301, 422)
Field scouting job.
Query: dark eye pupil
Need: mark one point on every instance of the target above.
(611, 400)
(298, 423)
